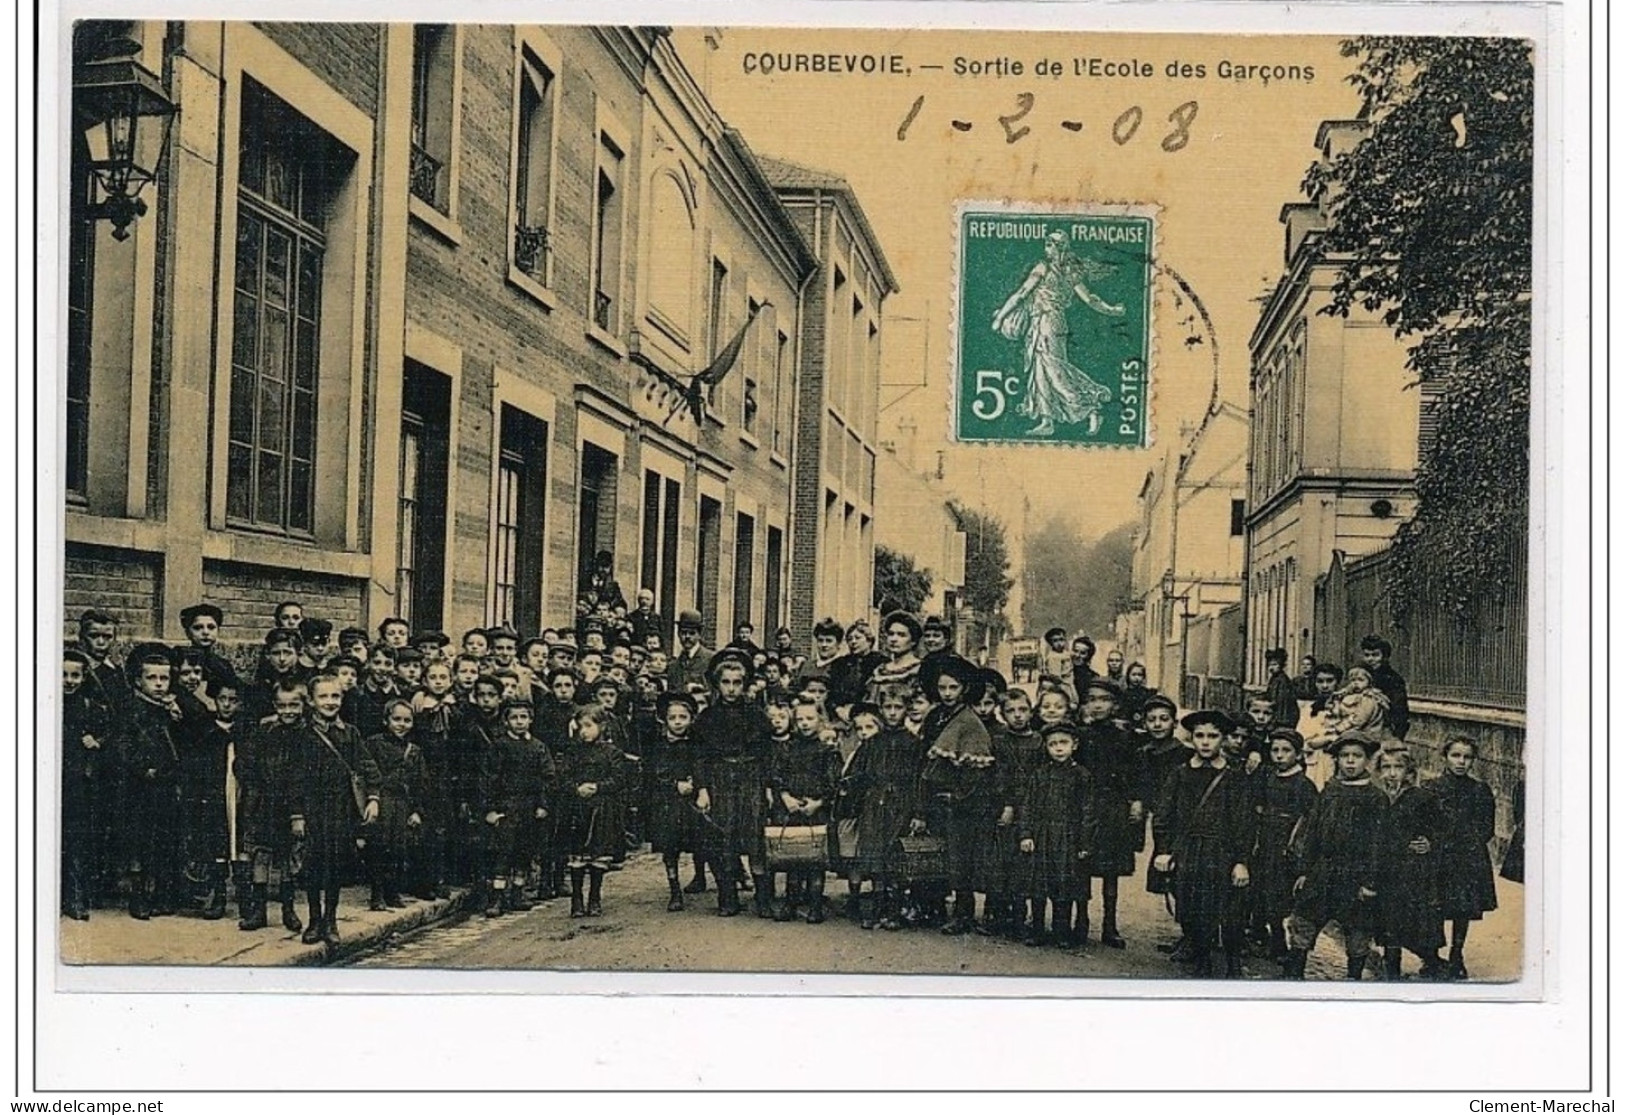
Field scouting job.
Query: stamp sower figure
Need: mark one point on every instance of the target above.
(1057, 390)
(1204, 829)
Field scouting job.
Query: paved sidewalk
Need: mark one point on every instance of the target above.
(111, 936)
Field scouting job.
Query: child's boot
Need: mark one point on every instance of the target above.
(1356, 967)
(251, 901)
(1292, 967)
(1035, 931)
(815, 900)
(1109, 936)
(290, 916)
(674, 904)
(696, 885)
(595, 892)
(727, 897)
(1457, 967)
(375, 901)
(215, 907)
(763, 885)
(578, 902)
(1391, 970)
(494, 897)
(866, 910)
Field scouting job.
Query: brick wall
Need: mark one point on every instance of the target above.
(121, 583)
(808, 470)
(249, 594)
(345, 55)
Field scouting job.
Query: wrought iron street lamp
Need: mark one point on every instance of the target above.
(121, 109)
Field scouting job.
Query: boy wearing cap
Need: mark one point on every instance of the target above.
(1339, 859)
(1118, 774)
(266, 765)
(145, 746)
(730, 759)
(1204, 830)
(316, 647)
(202, 623)
(516, 785)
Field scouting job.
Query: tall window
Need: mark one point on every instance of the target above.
(773, 589)
(420, 555)
(518, 522)
(606, 235)
(744, 568)
(81, 283)
(1238, 518)
(434, 62)
(533, 167)
(285, 184)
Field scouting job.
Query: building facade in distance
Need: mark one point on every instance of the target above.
(1335, 431)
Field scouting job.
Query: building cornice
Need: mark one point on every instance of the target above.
(1395, 482)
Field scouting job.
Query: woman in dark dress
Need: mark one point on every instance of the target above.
(730, 769)
(1467, 825)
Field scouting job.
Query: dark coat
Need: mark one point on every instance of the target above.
(325, 798)
(1340, 852)
(1408, 893)
(594, 828)
(1283, 809)
(149, 799)
(802, 768)
(395, 772)
(672, 824)
(1015, 757)
(1208, 834)
(681, 668)
(1467, 825)
(204, 750)
(1058, 802)
(1118, 774)
(885, 779)
(959, 797)
(268, 766)
(83, 773)
(730, 762)
(368, 714)
(849, 676)
(1283, 695)
(1398, 716)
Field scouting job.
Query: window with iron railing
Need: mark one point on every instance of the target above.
(434, 60)
(533, 168)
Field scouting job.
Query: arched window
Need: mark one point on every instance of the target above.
(671, 254)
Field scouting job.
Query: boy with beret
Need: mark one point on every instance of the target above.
(1118, 775)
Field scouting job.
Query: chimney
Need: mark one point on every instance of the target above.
(1300, 218)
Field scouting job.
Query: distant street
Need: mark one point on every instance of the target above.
(637, 934)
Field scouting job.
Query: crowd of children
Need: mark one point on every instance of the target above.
(528, 768)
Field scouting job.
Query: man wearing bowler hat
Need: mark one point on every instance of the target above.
(690, 661)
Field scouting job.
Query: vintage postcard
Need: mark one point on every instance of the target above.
(836, 501)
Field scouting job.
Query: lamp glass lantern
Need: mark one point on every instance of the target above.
(125, 117)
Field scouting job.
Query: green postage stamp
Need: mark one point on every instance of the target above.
(1052, 332)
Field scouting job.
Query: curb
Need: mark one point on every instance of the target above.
(366, 940)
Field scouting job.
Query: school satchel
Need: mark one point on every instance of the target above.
(923, 859)
(796, 847)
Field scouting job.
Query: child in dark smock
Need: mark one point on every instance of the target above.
(800, 783)
(1408, 891)
(885, 777)
(1058, 825)
(592, 808)
(1285, 799)
(1339, 858)
(1467, 820)
(1017, 751)
(392, 767)
(957, 779)
(1162, 752)
(1111, 754)
(1204, 829)
(668, 763)
(730, 761)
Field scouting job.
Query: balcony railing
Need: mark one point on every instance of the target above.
(601, 305)
(530, 247)
(426, 172)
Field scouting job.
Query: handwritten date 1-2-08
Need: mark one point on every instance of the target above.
(1123, 129)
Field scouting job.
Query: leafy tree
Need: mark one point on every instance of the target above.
(1072, 583)
(987, 561)
(1430, 219)
(898, 584)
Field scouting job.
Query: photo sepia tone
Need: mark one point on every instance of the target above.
(796, 500)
